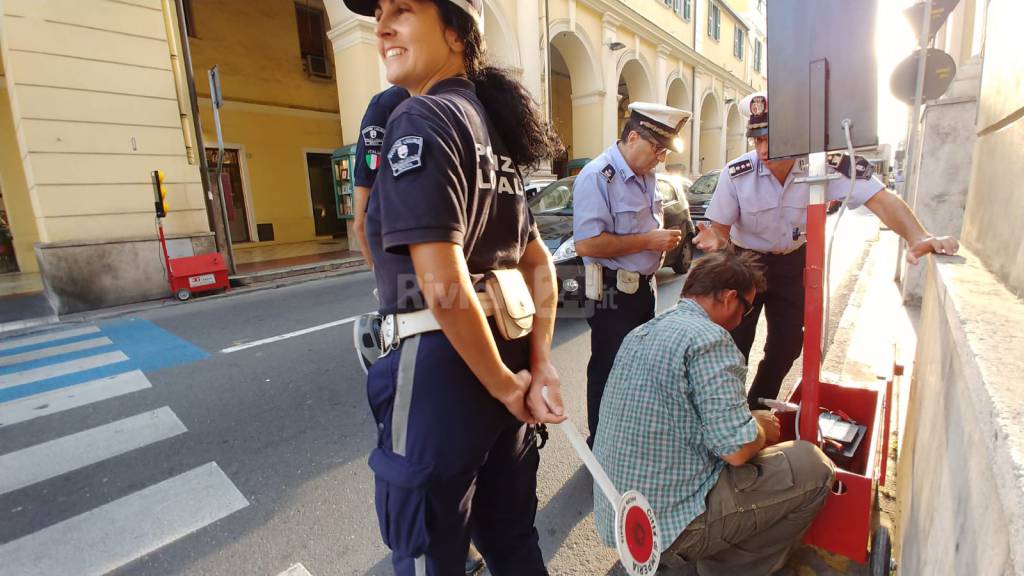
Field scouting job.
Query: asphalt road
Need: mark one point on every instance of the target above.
(201, 461)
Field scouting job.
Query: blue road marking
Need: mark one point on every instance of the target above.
(41, 345)
(147, 346)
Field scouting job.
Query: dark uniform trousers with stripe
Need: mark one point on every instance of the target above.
(613, 318)
(451, 462)
(783, 304)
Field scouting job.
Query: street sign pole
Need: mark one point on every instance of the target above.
(218, 101)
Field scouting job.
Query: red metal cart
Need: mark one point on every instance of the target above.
(189, 274)
(847, 522)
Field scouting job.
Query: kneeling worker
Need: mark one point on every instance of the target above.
(675, 426)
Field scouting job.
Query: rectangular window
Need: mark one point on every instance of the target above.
(686, 10)
(737, 43)
(714, 20)
(190, 26)
(757, 55)
(313, 41)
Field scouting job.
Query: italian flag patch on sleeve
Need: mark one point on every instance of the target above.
(373, 161)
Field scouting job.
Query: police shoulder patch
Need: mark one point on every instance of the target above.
(740, 167)
(406, 154)
(373, 136)
(608, 172)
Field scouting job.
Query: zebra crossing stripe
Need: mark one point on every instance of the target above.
(296, 570)
(25, 409)
(60, 369)
(49, 459)
(48, 337)
(105, 538)
(53, 351)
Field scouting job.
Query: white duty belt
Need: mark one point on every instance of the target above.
(396, 327)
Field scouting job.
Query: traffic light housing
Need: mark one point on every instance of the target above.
(160, 193)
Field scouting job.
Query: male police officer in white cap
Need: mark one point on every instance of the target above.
(758, 207)
(618, 230)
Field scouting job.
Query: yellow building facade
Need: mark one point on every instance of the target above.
(96, 95)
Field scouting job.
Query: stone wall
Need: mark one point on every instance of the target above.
(961, 467)
(80, 276)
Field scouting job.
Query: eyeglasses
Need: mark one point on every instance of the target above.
(748, 306)
(659, 150)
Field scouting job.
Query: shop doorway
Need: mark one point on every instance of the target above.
(8, 263)
(234, 193)
(327, 212)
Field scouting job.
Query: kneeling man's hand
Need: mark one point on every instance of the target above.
(770, 424)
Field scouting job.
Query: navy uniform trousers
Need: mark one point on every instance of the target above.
(783, 303)
(613, 318)
(451, 462)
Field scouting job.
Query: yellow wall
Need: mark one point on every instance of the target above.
(274, 164)
(720, 51)
(86, 80)
(14, 188)
(667, 18)
(272, 109)
(255, 45)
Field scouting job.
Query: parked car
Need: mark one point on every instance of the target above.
(700, 193)
(553, 211)
(534, 186)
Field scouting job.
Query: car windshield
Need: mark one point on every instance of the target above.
(705, 185)
(555, 199)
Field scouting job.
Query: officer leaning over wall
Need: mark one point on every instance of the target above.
(618, 230)
(759, 207)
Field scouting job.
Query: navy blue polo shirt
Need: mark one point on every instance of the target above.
(445, 177)
(371, 133)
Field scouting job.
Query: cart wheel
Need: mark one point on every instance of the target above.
(881, 552)
(183, 294)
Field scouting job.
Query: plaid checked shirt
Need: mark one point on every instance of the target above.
(674, 403)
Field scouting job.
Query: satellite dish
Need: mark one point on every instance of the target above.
(939, 71)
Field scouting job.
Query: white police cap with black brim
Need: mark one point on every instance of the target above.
(475, 8)
(754, 107)
(664, 122)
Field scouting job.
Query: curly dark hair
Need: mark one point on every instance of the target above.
(511, 109)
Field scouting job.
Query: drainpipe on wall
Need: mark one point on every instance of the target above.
(214, 202)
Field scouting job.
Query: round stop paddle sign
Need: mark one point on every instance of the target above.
(636, 535)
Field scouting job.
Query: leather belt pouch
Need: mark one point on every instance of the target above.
(627, 282)
(513, 303)
(594, 285)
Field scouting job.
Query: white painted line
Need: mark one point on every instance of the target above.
(296, 570)
(49, 459)
(48, 337)
(273, 339)
(60, 369)
(54, 351)
(105, 538)
(25, 409)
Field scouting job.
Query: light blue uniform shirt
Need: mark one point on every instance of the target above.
(609, 197)
(763, 213)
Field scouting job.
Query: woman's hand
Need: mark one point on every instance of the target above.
(550, 410)
(513, 395)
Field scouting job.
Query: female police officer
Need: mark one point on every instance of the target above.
(450, 398)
